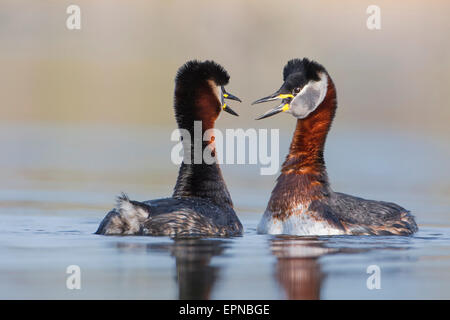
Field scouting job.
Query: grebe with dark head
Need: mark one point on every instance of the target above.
(302, 202)
(201, 204)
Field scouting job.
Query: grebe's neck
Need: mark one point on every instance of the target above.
(197, 177)
(303, 175)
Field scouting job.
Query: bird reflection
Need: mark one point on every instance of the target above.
(297, 269)
(195, 275)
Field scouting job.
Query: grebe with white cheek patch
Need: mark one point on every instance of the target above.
(302, 202)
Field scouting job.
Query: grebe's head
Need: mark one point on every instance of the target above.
(304, 88)
(200, 91)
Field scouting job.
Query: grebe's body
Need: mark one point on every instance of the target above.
(302, 202)
(175, 217)
(201, 204)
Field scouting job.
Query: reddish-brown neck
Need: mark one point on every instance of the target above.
(207, 106)
(306, 150)
(197, 104)
(198, 178)
(303, 174)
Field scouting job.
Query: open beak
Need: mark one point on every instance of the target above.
(226, 108)
(229, 96)
(281, 108)
(284, 106)
(277, 95)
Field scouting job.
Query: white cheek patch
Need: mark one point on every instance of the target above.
(310, 97)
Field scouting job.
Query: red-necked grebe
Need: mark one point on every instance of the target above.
(302, 202)
(201, 204)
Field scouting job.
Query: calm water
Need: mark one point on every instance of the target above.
(56, 184)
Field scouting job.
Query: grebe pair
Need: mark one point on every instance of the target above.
(302, 202)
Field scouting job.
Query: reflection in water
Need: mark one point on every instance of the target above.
(297, 270)
(195, 275)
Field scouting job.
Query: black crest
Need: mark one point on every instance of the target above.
(194, 71)
(306, 67)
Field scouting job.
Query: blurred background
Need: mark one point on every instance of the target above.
(86, 114)
(119, 68)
